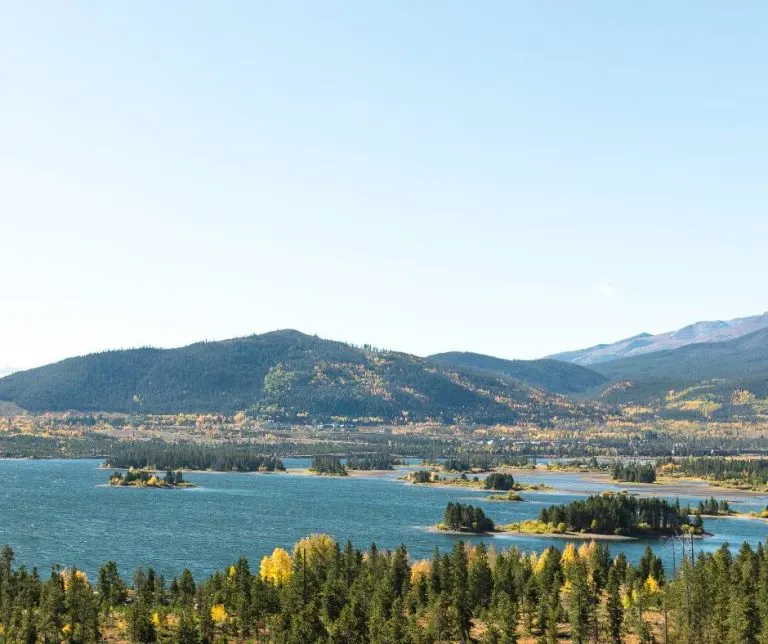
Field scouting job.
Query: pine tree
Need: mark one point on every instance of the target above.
(579, 603)
(614, 607)
(187, 632)
(480, 580)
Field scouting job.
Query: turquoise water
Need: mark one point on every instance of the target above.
(61, 512)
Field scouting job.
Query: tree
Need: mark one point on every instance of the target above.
(480, 579)
(187, 632)
(111, 588)
(613, 606)
(140, 621)
(578, 602)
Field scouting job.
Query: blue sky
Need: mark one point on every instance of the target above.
(505, 177)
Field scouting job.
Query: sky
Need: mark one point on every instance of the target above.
(511, 178)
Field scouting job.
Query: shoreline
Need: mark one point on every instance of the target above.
(580, 536)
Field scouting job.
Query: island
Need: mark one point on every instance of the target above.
(150, 479)
(463, 518)
(509, 496)
(372, 462)
(713, 507)
(612, 515)
(496, 481)
(327, 465)
(633, 472)
(161, 455)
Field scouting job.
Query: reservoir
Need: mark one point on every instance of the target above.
(63, 512)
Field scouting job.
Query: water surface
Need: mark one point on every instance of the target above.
(62, 512)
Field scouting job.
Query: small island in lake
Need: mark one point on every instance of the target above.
(465, 518)
(327, 465)
(613, 515)
(150, 479)
(497, 481)
(509, 496)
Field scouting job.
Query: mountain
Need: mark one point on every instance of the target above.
(552, 375)
(5, 371)
(739, 359)
(284, 375)
(712, 373)
(645, 343)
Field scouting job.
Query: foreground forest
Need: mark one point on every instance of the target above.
(321, 592)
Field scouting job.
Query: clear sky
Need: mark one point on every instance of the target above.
(513, 178)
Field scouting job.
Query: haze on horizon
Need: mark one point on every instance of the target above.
(518, 180)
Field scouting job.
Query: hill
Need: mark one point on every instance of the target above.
(553, 375)
(284, 375)
(645, 343)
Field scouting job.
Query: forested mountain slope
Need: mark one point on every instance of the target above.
(554, 375)
(743, 358)
(714, 379)
(285, 375)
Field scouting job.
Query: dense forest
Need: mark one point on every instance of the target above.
(634, 472)
(749, 472)
(714, 507)
(287, 376)
(32, 446)
(378, 461)
(499, 481)
(466, 518)
(160, 455)
(552, 375)
(328, 464)
(622, 514)
(320, 592)
(477, 461)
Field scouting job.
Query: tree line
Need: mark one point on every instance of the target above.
(375, 461)
(158, 454)
(753, 472)
(622, 514)
(466, 518)
(634, 472)
(328, 464)
(714, 507)
(321, 592)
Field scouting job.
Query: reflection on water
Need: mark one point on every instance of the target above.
(61, 512)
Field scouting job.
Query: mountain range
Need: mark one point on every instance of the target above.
(290, 376)
(287, 375)
(644, 343)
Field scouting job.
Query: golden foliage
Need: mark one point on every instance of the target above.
(588, 550)
(651, 585)
(421, 570)
(570, 555)
(318, 549)
(277, 568)
(743, 397)
(66, 577)
(219, 613)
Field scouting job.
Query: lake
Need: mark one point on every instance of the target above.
(63, 512)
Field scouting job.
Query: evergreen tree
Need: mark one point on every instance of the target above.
(614, 608)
